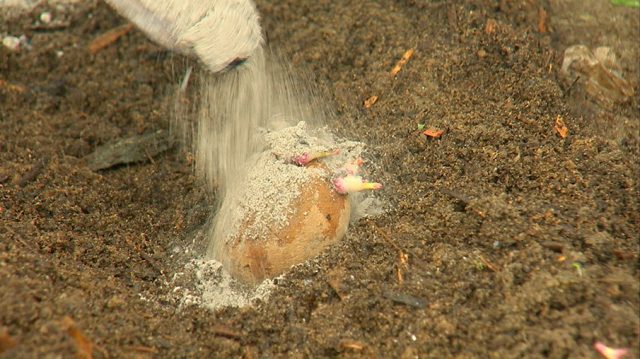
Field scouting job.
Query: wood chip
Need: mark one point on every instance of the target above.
(561, 128)
(405, 58)
(370, 101)
(84, 346)
(108, 38)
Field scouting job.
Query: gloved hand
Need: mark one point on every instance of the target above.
(220, 33)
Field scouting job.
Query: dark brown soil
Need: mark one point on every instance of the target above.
(520, 243)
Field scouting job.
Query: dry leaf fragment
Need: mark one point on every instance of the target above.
(490, 28)
(6, 341)
(405, 58)
(542, 20)
(12, 87)
(352, 344)
(561, 128)
(84, 346)
(433, 133)
(370, 101)
(108, 38)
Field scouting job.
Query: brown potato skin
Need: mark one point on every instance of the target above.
(320, 218)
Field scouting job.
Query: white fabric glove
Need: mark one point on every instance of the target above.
(218, 32)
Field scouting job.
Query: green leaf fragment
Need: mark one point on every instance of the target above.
(628, 3)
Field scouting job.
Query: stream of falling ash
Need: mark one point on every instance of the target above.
(261, 93)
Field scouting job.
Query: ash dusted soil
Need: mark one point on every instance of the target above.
(519, 243)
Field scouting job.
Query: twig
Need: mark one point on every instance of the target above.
(54, 26)
(403, 61)
(224, 331)
(568, 91)
(108, 38)
(489, 265)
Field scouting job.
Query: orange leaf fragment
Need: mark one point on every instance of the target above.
(433, 133)
(490, 28)
(542, 20)
(84, 346)
(6, 341)
(405, 58)
(561, 128)
(370, 101)
(108, 38)
(12, 87)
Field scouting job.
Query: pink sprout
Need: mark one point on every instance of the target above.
(350, 184)
(305, 158)
(610, 353)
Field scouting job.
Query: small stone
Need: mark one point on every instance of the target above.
(45, 17)
(11, 42)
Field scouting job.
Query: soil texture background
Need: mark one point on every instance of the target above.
(500, 238)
